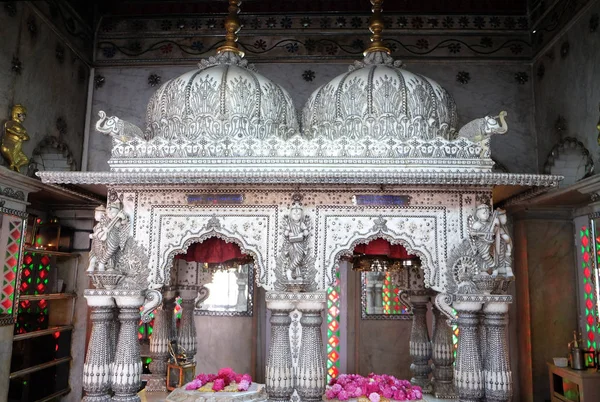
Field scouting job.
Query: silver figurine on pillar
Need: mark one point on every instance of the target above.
(295, 271)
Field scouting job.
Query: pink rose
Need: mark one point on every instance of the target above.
(388, 393)
(417, 392)
(372, 387)
(329, 394)
(374, 397)
(343, 395)
(227, 374)
(218, 385)
(238, 378)
(193, 385)
(399, 395)
(243, 385)
(336, 388)
(350, 388)
(358, 393)
(247, 377)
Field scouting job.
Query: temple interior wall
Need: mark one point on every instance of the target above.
(492, 87)
(48, 87)
(225, 342)
(546, 300)
(569, 86)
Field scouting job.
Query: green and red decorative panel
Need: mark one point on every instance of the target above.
(391, 297)
(12, 235)
(590, 257)
(333, 328)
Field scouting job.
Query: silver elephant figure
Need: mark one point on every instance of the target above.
(119, 129)
(480, 131)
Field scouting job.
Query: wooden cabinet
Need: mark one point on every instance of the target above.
(567, 385)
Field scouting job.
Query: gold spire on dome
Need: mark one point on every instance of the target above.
(232, 25)
(376, 27)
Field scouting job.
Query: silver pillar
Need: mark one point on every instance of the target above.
(97, 366)
(186, 336)
(159, 351)
(442, 357)
(468, 372)
(420, 345)
(498, 376)
(242, 282)
(311, 376)
(127, 366)
(279, 371)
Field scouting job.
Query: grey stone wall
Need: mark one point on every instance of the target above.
(51, 82)
(567, 83)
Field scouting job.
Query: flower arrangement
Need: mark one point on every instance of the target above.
(225, 380)
(374, 388)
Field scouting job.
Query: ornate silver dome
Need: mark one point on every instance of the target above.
(378, 99)
(224, 98)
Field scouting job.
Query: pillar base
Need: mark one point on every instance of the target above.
(126, 398)
(96, 398)
(424, 383)
(156, 383)
(444, 390)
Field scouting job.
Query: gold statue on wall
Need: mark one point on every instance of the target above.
(14, 136)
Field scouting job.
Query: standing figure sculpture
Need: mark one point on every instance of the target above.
(502, 246)
(295, 232)
(110, 234)
(481, 234)
(14, 136)
(97, 248)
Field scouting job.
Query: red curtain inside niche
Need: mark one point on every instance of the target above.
(382, 247)
(215, 251)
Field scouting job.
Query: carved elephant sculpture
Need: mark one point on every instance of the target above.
(480, 131)
(118, 128)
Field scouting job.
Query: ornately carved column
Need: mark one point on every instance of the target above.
(311, 375)
(186, 336)
(127, 366)
(468, 371)
(420, 346)
(498, 376)
(96, 370)
(442, 356)
(113, 328)
(159, 344)
(279, 371)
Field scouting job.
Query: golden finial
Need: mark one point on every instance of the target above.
(376, 27)
(232, 25)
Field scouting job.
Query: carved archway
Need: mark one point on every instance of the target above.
(206, 236)
(394, 241)
(174, 229)
(420, 230)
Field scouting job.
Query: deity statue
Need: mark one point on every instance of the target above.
(14, 136)
(502, 246)
(110, 234)
(97, 245)
(296, 228)
(482, 228)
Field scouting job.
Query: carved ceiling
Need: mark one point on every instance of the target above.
(172, 7)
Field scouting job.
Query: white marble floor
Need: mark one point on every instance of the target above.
(159, 397)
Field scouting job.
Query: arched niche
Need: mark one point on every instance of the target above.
(394, 241)
(174, 229)
(420, 230)
(188, 272)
